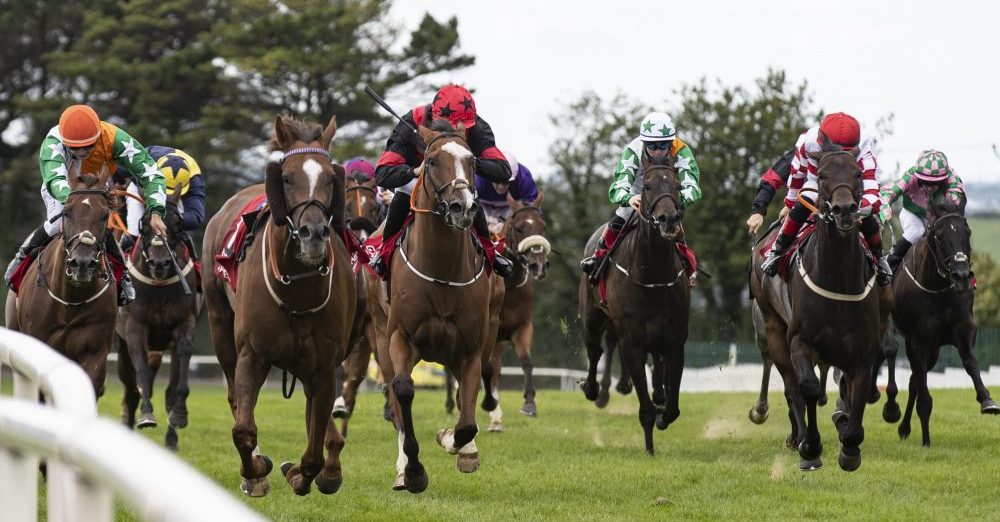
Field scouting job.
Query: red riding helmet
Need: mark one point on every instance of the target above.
(455, 104)
(841, 128)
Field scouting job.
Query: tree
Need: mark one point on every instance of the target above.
(987, 304)
(736, 134)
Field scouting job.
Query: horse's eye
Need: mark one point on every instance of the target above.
(431, 162)
(645, 186)
(287, 180)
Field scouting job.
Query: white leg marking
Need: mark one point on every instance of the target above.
(401, 459)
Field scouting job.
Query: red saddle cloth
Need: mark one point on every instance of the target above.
(226, 263)
(117, 270)
(688, 258)
(786, 258)
(377, 247)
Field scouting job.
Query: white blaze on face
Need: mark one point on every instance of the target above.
(86, 201)
(313, 169)
(461, 154)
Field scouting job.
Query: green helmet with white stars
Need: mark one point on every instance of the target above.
(657, 126)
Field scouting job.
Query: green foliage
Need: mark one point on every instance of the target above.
(736, 134)
(987, 303)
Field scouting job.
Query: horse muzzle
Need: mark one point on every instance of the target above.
(669, 226)
(312, 239)
(461, 214)
(82, 267)
(537, 267)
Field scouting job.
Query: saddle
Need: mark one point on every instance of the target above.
(788, 258)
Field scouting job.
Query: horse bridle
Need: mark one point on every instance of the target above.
(943, 266)
(440, 209)
(519, 251)
(824, 214)
(357, 189)
(646, 211)
(86, 236)
(303, 205)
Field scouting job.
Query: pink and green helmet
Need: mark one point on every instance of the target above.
(932, 165)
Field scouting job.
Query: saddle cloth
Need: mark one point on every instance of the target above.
(376, 246)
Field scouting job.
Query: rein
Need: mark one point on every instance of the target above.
(456, 183)
(939, 266)
(87, 238)
(181, 272)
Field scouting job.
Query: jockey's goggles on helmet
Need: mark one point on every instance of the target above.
(658, 145)
(81, 152)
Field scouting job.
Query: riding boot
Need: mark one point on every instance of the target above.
(126, 292)
(899, 251)
(607, 240)
(872, 231)
(778, 249)
(501, 265)
(35, 239)
(398, 210)
(191, 248)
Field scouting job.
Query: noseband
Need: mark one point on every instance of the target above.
(85, 237)
(943, 266)
(304, 205)
(440, 208)
(646, 213)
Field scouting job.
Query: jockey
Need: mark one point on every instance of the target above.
(82, 141)
(181, 172)
(363, 170)
(928, 182)
(841, 129)
(772, 180)
(657, 138)
(396, 166)
(493, 196)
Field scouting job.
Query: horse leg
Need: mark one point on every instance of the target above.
(413, 475)
(811, 447)
(254, 467)
(521, 339)
(659, 378)
(496, 416)
(924, 402)
(592, 332)
(126, 374)
(318, 404)
(853, 434)
(636, 363)
(221, 319)
(890, 349)
(759, 411)
(674, 370)
(778, 351)
(604, 392)
(331, 477)
(462, 439)
(824, 372)
(137, 337)
(170, 439)
(184, 342)
(624, 386)
(355, 368)
(911, 399)
(490, 400)
(965, 341)
(449, 392)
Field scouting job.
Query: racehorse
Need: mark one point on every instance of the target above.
(362, 216)
(441, 307)
(524, 232)
(648, 300)
(67, 296)
(293, 305)
(826, 313)
(934, 298)
(162, 318)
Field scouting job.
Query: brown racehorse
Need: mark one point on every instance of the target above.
(162, 318)
(294, 303)
(440, 308)
(648, 300)
(67, 298)
(362, 215)
(829, 312)
(934, 299)
(524, 232)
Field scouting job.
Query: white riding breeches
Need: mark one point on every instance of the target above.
(625, 212)
(134, 211)
(913, 225)
(408, 188)
(53, 208)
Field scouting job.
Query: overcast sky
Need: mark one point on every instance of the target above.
(932, 64)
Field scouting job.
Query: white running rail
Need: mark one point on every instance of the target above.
(88, 458)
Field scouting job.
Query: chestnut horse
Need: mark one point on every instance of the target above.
(524, 232)
(828, 312)
(442, 304)
(648, 300)
(67, 297)
(934, 299)
(294, 302)
(162, 318)
(362, 215)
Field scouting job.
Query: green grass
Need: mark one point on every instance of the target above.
(986, 235)
(577, 462)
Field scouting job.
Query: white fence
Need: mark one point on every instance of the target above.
(87, 458)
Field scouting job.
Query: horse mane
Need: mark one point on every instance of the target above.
(299, 130)
(948, 207)
(89, 180)
(440, 125)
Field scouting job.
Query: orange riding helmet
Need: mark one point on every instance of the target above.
(79, 126)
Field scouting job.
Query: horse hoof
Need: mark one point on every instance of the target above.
(903, 433)
(255, 488)
(849, 462)
(328, 486)
(416, 484)
(177, 419)
(989, 407)
(400, 483)
(286, 467)
(489, 403)
(891, 413)
(822, 400)
(810, 464)
(495, 427)
(340, 412)
(387, 413)
(170, 440)
(603, 398)
(467, 462)
(590, 392)
(661, 422)
(874, 396)
(758, 417)
(529, 409)
(810, 453)
(624, 387)
(146, 420)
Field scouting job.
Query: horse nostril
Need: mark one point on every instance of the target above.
(853, 208)
(92, 264)
(304, 232)
(837, 210)
(455, 208)
(324, 232)
(73, 263)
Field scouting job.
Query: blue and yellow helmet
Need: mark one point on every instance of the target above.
(178, 168)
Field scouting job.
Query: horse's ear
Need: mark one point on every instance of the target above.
(855, 151)
(274, 188)
(513, 203)
(460, 128)
(537, 203)
(329, 132)
(282, 133)
(815, 155)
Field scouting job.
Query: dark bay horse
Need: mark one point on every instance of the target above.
(294, 303)
(648, 301)
(362, 215)
(67, 298)
(829, 312)
(524, 231)
(162, 319)
(934, 298)
(441, 304)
